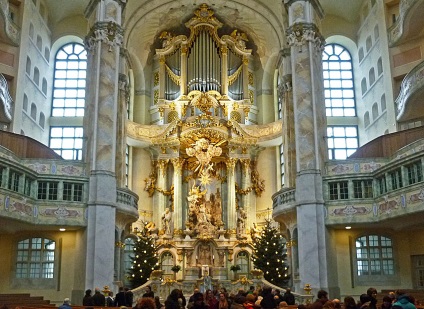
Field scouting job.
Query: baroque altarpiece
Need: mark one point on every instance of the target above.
(204, 143)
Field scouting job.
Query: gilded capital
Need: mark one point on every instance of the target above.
(178, 164)
(231, 164)
(246, 164)
(162, 165)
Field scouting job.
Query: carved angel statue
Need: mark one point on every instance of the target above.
(203, 151)
(241, 38)
(166, 37)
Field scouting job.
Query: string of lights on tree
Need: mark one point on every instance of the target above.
(269, 255)
(144, 260)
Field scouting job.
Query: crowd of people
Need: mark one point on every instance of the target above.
(265, 298)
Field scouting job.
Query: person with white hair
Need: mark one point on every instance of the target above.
(66, 304)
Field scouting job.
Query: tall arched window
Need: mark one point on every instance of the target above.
(69, 81)
(33, 111)
(128, 254)
(338, 81)
(69, 99)
(42, 120)
(374, 111)
(28, 66)
(339, 100)
(36, 77)
(35, 258)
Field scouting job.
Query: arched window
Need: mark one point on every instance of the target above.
(47, 54)
(368, 43)
(35, 258)
(39, 43)
(31, 31)
(376, 33)
(44, 86)
(366, 119)
(379, 67)
(364, 86)
(69, 99)
(361, 54)
(371, 76)
(36, 77)
(166, 263)
(25, 104)
(374, 111)
(338, 81)
(33, 111)
(374, 256)
(383, 102)
(69, 81)
(128, 253)
(242, 260)
(42, 120)
(28, 66)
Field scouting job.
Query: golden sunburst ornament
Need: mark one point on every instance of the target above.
(205, 178)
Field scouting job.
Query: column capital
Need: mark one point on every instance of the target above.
(162, 165)
(109, 33)
(178, 164)
(300, 34)
(231, 163)
(246, 164)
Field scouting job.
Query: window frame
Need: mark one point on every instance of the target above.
(34, 283)
(377, 279)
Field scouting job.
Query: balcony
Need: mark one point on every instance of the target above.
(366, 190)
(409, 102)
(409, 22)
(377, 190)
(283, 202)
(10, 32)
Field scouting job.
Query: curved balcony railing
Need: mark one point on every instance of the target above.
(283, 201)
(412, 82)
(127, 197)
(396, 31)
(10, 30)
(389, 197)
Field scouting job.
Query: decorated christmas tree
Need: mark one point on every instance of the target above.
(144, 260)
(269, 255)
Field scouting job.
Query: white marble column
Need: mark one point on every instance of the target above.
(231, 200)
(162, 200)
(246, 184)
(100, 131)
(307, 44)
(178, 199)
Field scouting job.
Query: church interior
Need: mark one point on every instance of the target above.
(204, 120)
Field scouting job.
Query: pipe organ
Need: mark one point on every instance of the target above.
(203, 62)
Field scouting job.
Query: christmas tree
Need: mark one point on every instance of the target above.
(269, 255)
(144, 260)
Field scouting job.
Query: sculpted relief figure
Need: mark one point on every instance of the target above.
(167, 221)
